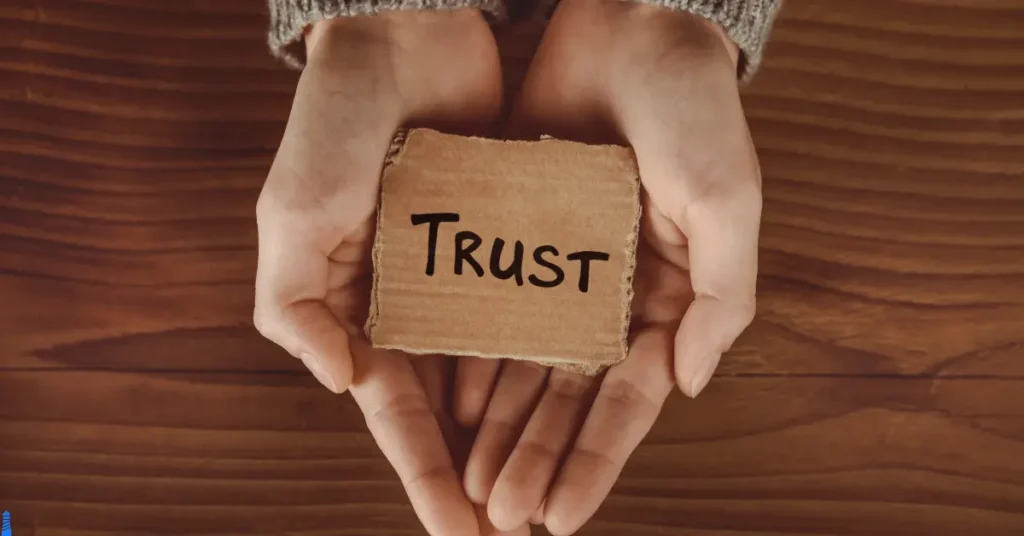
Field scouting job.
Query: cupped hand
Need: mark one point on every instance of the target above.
(552, 443)
(365, 77)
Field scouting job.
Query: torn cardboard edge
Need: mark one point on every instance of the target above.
(395, 151)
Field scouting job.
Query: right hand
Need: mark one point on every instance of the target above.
(551, 445)
(365, 77)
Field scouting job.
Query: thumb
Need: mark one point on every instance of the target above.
(308, 331)
(722, 234)
(291, 284)
(708, 329)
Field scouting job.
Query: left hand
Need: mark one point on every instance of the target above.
(365, 77)
(551, 444)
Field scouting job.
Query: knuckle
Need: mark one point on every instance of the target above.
(266, 323)
(744, 196)
(717, 191)
(599, 457)
(259, 321)
(626, 395)
(276, 200)
(535, 448)
(568, 384)
(410, 407)
(438, 472)
(746, 310)
(264, 208)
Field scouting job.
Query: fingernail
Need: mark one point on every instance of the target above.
(702, 376)
(316, 366)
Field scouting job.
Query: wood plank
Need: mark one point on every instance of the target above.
(877, 392)
(887, 208)
(224, 453)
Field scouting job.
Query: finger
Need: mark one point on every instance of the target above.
(540, 112)
(549, 103)
(399, 416)
(515, 394)
(722, 231)
(626, 406)
(487, 529)
(537, 518)
(474, 381)
(435, 374)
(291, 283)
(530, 469)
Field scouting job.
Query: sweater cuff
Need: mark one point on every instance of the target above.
(289, 18)
(748, 23)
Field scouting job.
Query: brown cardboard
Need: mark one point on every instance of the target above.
(572, 196)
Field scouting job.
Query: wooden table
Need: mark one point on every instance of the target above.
(879, 391)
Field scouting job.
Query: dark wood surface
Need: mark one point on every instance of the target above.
(879, 391)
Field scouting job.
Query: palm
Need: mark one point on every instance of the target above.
(533, 415)
(661, 285)
(404, 398)
(349, 276)
(552, 444)
(364, 77)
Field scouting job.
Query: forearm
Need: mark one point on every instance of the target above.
(746, 22)
(289, 19)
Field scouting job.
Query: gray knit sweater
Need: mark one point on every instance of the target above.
(747, 22)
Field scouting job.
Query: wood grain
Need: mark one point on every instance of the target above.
(879, 391)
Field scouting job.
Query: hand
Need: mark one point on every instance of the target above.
(551, 445)
(364, 78)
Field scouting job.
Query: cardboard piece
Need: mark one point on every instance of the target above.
(505, 249)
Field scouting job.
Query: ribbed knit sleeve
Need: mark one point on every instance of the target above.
(748, 22)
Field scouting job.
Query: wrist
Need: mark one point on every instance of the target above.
(626, 34)
(428, 58)
(714, 38)
(684, 36)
